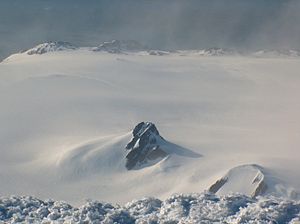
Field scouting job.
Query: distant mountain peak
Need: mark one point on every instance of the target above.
(50, 46)
(120, 46)
(145, 146)
(216, 51)
(277, 53)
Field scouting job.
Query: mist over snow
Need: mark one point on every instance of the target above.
(68, 119)
(169, 24)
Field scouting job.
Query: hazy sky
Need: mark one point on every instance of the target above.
(157, 23)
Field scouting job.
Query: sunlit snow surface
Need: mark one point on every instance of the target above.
(189, 208)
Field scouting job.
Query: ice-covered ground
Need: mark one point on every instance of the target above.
(188, 208)
(67, 116)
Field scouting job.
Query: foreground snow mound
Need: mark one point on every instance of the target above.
(120, 46)
(189, 208)
(251, 180)
(50, 47)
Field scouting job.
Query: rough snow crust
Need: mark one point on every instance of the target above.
(188, 208)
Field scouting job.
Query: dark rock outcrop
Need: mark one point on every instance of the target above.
(145, 146)
(217, 185)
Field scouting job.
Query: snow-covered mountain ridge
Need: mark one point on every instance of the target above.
(134, 47)
(50, 47)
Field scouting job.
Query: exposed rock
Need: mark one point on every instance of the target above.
(145, 146)
(216, 186)
(50, 47)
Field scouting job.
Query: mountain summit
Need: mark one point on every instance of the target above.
(50, 47)
(145, 146)
(120, 46)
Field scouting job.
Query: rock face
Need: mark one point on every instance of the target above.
(246, 179)
(50, 47)
(120, 46)
(145, 146)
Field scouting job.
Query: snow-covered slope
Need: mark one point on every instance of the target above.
(66, 118)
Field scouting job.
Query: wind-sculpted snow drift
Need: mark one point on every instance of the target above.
(181, 208)
(119, 154)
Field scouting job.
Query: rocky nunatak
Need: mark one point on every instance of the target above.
(145, 147)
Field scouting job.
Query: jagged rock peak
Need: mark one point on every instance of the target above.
(50, 47)
(120, 46)
(145, 148)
